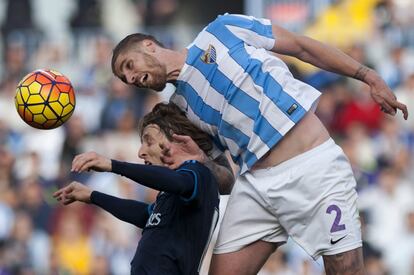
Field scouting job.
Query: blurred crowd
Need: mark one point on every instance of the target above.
(38, 236)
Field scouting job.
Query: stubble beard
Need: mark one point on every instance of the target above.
(159, 74)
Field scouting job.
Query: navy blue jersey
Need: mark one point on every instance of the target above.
(179, 228)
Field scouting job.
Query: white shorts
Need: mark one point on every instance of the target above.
(310, 198)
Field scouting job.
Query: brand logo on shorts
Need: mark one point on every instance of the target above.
(335, 241)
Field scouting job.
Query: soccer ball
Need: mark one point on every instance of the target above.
(45, 99)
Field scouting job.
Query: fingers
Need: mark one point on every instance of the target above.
(165, 149)
(167, 160)
(383, 95)
(65, 194)
(388, 101)
(63, 190)
(387, 108)
(403, 108)
(58, 193)
(392, 105)
(181, 138)
(87, 165)
(75, 162)
(68, 199)
(80, 161)
(87, 161)
(65, 199)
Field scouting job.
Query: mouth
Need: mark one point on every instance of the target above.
(147, 162)
(140, 82)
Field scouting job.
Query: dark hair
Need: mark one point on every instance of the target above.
(172, 120)
(129, 42)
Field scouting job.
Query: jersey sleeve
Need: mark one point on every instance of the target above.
(256, 32)
(131, 211)
(156, 177)
(201, 176)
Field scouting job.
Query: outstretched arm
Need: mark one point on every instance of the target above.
(332, 59)
(130, 211)
(156, 177)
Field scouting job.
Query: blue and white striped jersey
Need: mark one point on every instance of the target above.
(232, 88)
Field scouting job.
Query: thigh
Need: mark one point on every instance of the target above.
(318, 207)
(247, 219)
(346, 263)
(247, 261)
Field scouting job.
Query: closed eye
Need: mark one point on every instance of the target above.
(129, 65)
(147, 140)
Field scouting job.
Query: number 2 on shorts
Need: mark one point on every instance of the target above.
(336, 226)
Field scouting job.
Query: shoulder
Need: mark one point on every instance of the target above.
(194, 166)
(228, 18)
(240, 19)
(205, 184)
(202, 175)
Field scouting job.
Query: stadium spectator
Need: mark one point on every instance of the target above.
(72, 244)
(361, 109)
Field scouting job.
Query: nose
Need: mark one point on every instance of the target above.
(130, 79)
(141, 152)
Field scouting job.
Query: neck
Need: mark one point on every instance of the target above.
(174, 62)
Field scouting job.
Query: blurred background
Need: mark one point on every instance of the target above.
(76, 37)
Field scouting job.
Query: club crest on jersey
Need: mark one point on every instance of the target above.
(209, 56)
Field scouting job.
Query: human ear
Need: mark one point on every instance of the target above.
(149, 45)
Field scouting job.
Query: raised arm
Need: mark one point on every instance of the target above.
(131, 211)
(332, 59)
(260, 33)
(156, 177)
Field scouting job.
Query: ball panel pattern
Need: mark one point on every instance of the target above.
(45, 99)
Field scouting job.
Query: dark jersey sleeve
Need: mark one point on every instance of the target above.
(131, 211)
(201, 176)
(156, 177)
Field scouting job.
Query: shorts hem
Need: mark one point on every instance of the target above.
(240, 247)
(228, 249)
(335, 251)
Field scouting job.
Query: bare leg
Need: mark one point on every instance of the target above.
(247, 261)
(347, 263)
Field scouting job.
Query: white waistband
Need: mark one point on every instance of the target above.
(330, 143)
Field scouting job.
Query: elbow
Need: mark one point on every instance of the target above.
(299, 50)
